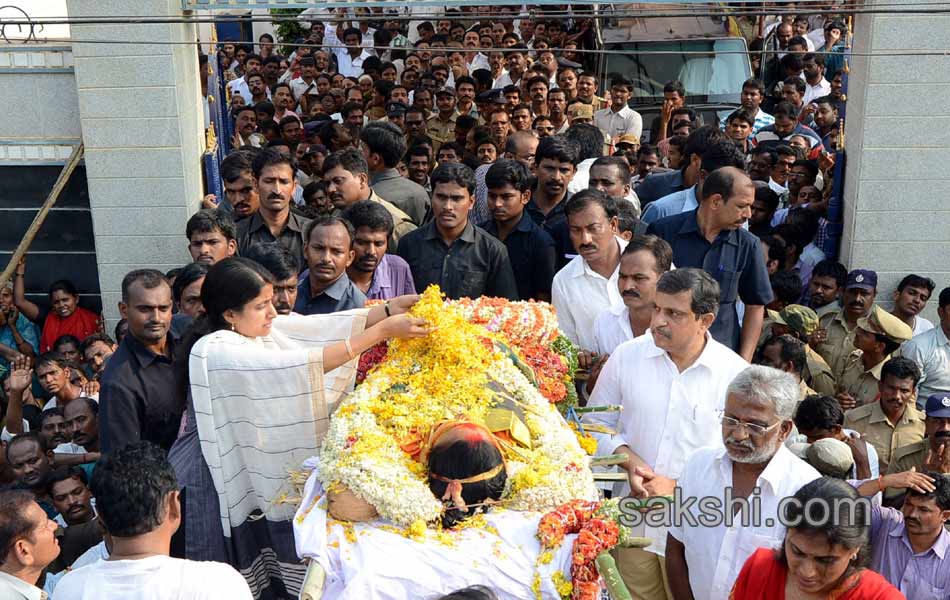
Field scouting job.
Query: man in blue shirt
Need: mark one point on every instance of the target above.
(712, 238)
(658, 185)
(329, 251)
(723, 153)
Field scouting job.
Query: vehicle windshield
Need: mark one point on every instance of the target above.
(713, 75)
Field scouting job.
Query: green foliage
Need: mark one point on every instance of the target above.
(288, 30)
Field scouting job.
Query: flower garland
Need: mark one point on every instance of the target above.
(369, 446)
(597, 529)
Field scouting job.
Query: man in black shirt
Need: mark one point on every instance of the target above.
(138, 399)
(530, 248)
(463, 259)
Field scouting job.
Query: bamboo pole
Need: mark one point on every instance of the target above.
(34, 228)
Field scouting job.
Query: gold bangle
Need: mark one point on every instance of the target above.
(349, 349)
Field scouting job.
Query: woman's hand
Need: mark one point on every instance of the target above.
(402, 304)
(405, 327)
(21, 376)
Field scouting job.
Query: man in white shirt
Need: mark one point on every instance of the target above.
(931, 351)
(516, 63)
(619, 119)
(816, 86)
(252, 65)
(910, 298)
(588, 284)
(27, 537)
(350, 58)
(642, 262)
(703, 561)
(671, 386)
(138, 502)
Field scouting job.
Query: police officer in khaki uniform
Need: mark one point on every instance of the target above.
(931, 453)
(801, 322)
(876, 337)
(441, 126)
(893, 421)
(834, 339)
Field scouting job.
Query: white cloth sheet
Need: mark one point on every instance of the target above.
(385, 565)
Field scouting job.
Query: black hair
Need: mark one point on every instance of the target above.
(722, 153)
(455, 146)
(191, 273)
(765, 151)
(456, 173)
(791, 62)
(328, 222)
(62, 285)
(742, 115)
(270, 157)
(764, 193)
(52, 357)
(699, 140)
(508, 172)
(557, 147)
(588, 197)
(704, 290)
(66, 339)
(349, 159)
(462, 459)
(276, 258)
(589, 140)
(797, 82)
(916, 281)
(539, 79)
(131, 486)
(385, 139)
(623, 167)
(147, 278)
(831, 508)
(786, 286)
(14, 525)
(818, 412)
(810, 165)
(776, 247)
(56, 411)
(371, 215)
(785, 109)
(476, 592)
(901, 368)
(941, 493)
(675, 86)
(64, 473)
(818, 59)
(29, 436)
(417, 151)
(834, 269)
(267, 107)
(755, 84)
(646, 149)
(657, 246)
(94, 338)
(627, 218)
(791, 349)
(208, 220)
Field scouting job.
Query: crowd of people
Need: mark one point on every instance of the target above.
(688, 262)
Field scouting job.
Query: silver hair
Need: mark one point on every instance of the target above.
(768, 386)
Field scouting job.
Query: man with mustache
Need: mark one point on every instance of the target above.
(53, 372)
(666, 416)
(893, 421)
(834, 339)
(704, 562)
(211, 236)
(711, 237)
(69, 491)
(31, 462)
(82, 423)
(876, 337)
(555, 164)
(929, 454)
(240, 192)
(642, 263)
(931, 351)
(452, 252)
(346, 174)
(374, 271)
(139, 398)
(273, 222)
(329, 251)
(909, 543)
(284, 267)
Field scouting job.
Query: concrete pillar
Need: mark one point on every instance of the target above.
(897, 219)
(142, 124)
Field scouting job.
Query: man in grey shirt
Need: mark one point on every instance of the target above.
(383, 146)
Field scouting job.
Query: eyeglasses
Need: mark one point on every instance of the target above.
(752, 428)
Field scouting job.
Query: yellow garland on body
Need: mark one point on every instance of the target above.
(424, 381)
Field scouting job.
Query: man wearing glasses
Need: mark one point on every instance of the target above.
(751, 467)
(667, 416)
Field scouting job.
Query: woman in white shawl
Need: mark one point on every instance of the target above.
(259, 394)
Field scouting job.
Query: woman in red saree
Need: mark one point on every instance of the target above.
(824, 551)
(65, 316)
